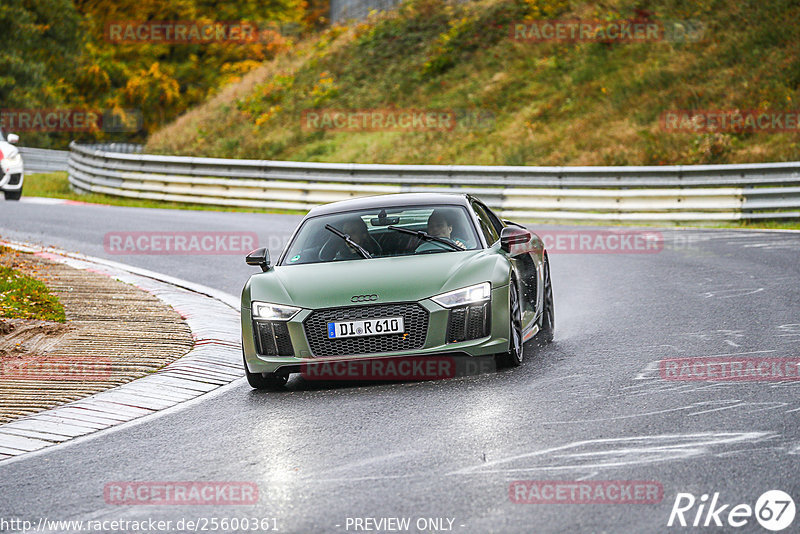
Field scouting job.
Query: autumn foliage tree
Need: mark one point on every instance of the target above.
(56, 53)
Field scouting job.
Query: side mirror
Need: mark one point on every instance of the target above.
(259, 257)
(12, 138)
(513, 236)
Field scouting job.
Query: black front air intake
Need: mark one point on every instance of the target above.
(472, 321)
(272, 338)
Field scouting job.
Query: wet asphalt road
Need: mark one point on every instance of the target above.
(591, 406)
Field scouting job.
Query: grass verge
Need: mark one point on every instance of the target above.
(24, 297)
(56, 185)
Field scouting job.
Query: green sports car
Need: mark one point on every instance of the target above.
(379, 279)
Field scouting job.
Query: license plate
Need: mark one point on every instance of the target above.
(366, 327)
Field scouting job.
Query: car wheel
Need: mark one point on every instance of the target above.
(271, 382)
(13, 195)
(513, 358)
(547, 320)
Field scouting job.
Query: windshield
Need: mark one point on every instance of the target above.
(382, 232)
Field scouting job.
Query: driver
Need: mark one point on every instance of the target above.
(356, 228)
(440, 224)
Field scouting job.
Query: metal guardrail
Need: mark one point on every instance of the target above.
(43, 159)
(123, 148)
(667, 193)
(49, 160)
(342, 10)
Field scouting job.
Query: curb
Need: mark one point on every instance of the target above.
(213, 362)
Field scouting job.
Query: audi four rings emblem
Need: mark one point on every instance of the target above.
(363, 298)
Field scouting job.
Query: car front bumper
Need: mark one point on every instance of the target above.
(435, 342)
(11, 177)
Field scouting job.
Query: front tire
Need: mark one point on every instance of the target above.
(513, 358)
(13, 195)
(270, 382)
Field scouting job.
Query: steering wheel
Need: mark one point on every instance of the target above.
(330, 249)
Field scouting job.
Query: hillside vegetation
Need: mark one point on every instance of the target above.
(522, 103)
(58, 55)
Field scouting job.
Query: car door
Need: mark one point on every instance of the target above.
(522, 263)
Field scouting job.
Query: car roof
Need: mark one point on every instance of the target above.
(391, 201)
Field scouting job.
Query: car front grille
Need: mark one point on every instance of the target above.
(415, 320)
(272, 338)
(468, 322)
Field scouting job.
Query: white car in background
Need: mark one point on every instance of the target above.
(11, 172)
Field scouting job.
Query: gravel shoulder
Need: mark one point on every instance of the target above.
(114, 333)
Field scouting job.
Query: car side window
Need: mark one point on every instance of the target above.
(487, 227)
(496, 222)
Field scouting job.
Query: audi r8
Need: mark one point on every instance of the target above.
(392, 276)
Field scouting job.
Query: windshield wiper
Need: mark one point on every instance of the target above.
(355, 246)
(427, 237)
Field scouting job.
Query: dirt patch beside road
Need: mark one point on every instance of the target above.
(22, 337)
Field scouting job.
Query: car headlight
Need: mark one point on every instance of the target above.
(467, 295)
(13, 161)
(273, 312)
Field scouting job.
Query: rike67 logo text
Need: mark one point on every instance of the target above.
(774, 510)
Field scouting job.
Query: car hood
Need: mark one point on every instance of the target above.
(402, 278)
